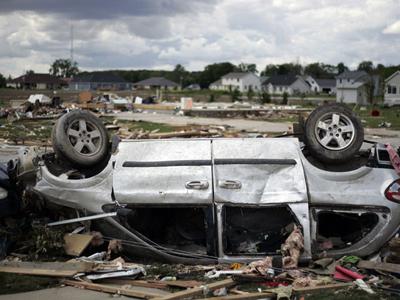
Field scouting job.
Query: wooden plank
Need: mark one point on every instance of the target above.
(198, 290)
(54, 269)
(133, 282)
(184, 283)
(386, 267)
(191, 133)
(112, 289)
(39, 272)
(310, 289)
(154, 283)
(247, 296)
(154, 106)
(75, 244)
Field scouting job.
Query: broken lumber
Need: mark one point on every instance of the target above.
(165, 135)
(198, 290)
(52, 269)
(386, 267)
(154, 283)
(112, 289)
(310, 289)
(75, 244)
(133, 282)
(247, 296)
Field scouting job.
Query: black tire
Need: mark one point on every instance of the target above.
(81, 138)
(333, 133)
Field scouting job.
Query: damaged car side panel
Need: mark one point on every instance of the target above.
(354, 194)
(164, 172)
(89, 194)
(258, 171)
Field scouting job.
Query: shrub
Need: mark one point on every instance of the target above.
(285, 98)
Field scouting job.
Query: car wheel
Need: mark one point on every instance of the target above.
(333, 133)
(80, 137)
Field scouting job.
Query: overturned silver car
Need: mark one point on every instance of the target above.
(207, 200)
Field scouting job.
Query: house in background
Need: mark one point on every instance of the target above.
(37, 81)
(319, 85)
(156, 83)
(327, 86)
(241, 81)
(216, 85)
(353, 87)
(193, 87)
(392, 89)
(314, 87)
(290, 84)
(104, 81)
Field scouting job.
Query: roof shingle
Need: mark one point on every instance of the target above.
(38, 78)
(156, 81)
(281, 80)
(99, 77)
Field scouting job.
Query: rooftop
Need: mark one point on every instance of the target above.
(282, 80)
(156, 81)
(352, 75)
(236, 75)
(38, 78)
(98, 77)
(326, 82)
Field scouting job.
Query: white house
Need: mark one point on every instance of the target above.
(216, 85)
(353, 87)
(291, 84)
(327, 86)
(314, 87)
(319, 85)
(392, 89)
(240, 81)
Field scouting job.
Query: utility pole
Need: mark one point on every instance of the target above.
(72, 44)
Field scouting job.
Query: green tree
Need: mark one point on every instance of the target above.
(250, 93)
(3, 81)
(282, 69)
(265, 97)
(285, 98)
(29, 72)
(341, 67)
(64, 68)
(367, 66)
(251, 68)
(235, 95)
(211, 98)
(179, 75)
(290, 68)
(270, 70)
(317, 70)
(214, 72)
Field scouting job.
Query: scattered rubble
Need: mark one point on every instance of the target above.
(100, 259)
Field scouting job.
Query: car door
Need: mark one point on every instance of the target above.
(162, 172)
(258, 174)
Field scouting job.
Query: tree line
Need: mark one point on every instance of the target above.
(65, 68)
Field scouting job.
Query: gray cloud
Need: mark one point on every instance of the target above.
(105, 9)
(160, 34)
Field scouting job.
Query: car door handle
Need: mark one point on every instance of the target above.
(197, 185)
(230, 184)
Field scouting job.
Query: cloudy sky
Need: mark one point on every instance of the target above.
(132, 34)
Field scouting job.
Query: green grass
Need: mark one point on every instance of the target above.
(390, 115)
(26, 129)
(146, 126)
